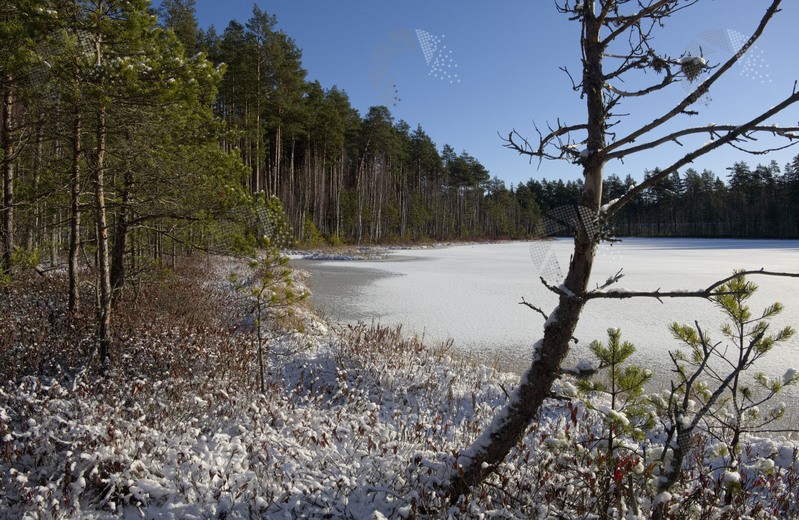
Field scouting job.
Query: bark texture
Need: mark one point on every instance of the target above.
(8, 175)
(535, 386)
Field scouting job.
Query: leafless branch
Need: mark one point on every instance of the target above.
(650, 12)
(611, 280)
(636, 62)
(688, 158)
(533, 307)
(764, 151)
(667, 80)
(702, 89)
(555, 138)
(714, 133)
(556, 290)
(707, 353)
(575, 86)
(541, 312)
(706, 293)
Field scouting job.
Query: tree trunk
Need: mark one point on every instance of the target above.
(104, 272)
(491, 448)
(278, 160)
(121, 236)
(8, 176)
(104, 281)
(33, 226)
(74, 227)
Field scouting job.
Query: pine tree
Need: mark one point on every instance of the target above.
(179, 16)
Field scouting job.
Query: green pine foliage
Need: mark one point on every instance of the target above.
(622, 383)
(270, 295)
(748, 405)
(714, 391)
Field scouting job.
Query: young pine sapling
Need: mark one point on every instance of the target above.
(724, 397)
(624, 417)
(270, 290)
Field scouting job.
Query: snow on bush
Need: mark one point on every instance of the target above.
(355, 422)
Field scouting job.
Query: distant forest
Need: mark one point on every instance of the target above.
(129, 135)
(753, 203)
(356, 178)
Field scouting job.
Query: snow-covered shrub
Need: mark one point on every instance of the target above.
(354, 422)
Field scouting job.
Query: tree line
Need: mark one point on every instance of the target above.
(129, 135)
(133, 133)
(352, 178)
(341, 175)
(751, 203)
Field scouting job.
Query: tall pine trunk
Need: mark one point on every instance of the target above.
(118, 271)
(103, 263)
(30, 240)
(8, 175)
(74, 227)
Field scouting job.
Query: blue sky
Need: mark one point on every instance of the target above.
(503, 72)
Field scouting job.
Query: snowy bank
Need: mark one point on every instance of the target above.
(355, 422)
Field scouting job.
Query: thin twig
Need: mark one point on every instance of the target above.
(533, 307)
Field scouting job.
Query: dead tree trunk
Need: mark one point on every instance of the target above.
(506, 431)
(603, 22)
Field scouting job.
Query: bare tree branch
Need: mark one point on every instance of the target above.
(708, 292)
(667, 80)
(701, 90)
(557, 290)
(611, 280)
(713, 130)
(566, 149)
(533, 307)
(688, 158)
(626, 22)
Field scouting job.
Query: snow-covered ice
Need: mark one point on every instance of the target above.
(471, 293)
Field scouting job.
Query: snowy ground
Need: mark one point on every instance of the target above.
(355, 422)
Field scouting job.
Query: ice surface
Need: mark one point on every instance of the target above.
(471, 293)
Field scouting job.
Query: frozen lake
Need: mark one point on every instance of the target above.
(471, 293)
